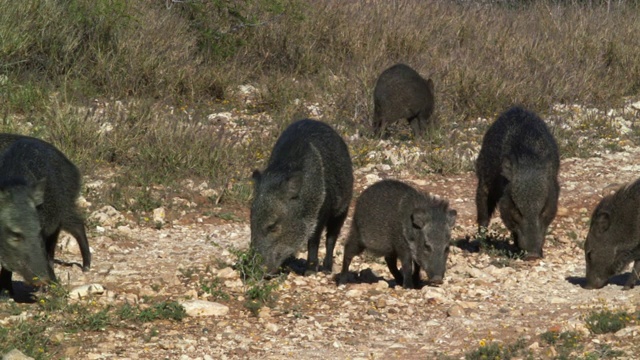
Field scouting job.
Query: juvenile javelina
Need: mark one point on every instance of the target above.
(613, 241)
(38, 190)
(401, 93)
(306, 187)
(518, 168)
(394, 220)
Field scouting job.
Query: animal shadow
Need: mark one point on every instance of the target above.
(620, 280)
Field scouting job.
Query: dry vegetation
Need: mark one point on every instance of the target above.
(125, 87)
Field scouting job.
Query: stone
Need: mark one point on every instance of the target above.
(455, 311)
(86, 290)
(16, 354)
(196, 308)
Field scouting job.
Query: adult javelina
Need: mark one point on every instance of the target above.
(306, 187)
(394, 220)
(614, 237)
(401, 93)
(518, 168)
(38, 189)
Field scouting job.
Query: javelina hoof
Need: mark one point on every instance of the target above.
(532, 257)
(341, 278)
(435, 282)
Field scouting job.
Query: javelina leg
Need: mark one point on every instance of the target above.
(416, 274)
(392, 264)
(76, 229)
(312, 250)
(50, 245)
(633, 277)
(333, 229)
(484, 204)
(407, 272)
(5, 282)
(415, 126)
(351, 249)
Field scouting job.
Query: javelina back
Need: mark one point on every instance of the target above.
(305, 188)
(614, 237)
(401, 93)
(394, 220)
(38, 190)
(518, 168)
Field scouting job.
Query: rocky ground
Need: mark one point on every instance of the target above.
(485, 297)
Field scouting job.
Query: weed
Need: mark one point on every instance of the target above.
(214, 287)
(259, 290)
(164, 310)
(607, 321)
(495, 350)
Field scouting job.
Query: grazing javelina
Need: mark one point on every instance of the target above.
(518, 168)
(306, 187)
(394, 220)
(38, 190)
(401, 93)
(614, 237)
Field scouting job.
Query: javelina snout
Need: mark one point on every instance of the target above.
(613, 241)
(394, 220)
(22, 248)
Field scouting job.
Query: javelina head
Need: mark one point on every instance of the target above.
(529, 204)
(277, 226)
(430, 238)
(600, 252)
(22, 248)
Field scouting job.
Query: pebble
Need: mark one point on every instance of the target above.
(86, 290)
(204, 308)
(16, 354)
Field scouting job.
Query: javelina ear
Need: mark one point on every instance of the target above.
(294, 184)
(419, 218)
(37, 192)
(507, 168)
(451, 217)
(256, 176)
(601, 222)
(430, 84)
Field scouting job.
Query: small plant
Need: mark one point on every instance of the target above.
(497, 245)
(258, 289)
(55, 298)
(494, 350)
(164, 310)
(607, 321)
(214, 288)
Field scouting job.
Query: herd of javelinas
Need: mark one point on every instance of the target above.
(307, 187)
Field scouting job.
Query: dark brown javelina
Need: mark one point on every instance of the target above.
(306, 187)
(613, 241)
(394, 220)
(401, 93)
(38, 190)
(517, 168)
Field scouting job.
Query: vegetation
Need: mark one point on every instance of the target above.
(130, 85)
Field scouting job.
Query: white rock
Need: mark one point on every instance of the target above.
(86, 290)
(107, 216)
(159, 215)
(222, 117)
(204, 308)
(227, 273)
(353, 293)
(15, 354)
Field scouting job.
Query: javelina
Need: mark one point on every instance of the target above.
(394, 220)
(306, 187)
(614, 237)
(38, 190)
(518, 168)
(401, 93)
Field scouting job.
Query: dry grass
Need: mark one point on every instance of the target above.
(56, 57)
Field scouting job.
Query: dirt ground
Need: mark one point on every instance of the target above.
(480, 301)
(485, 298)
